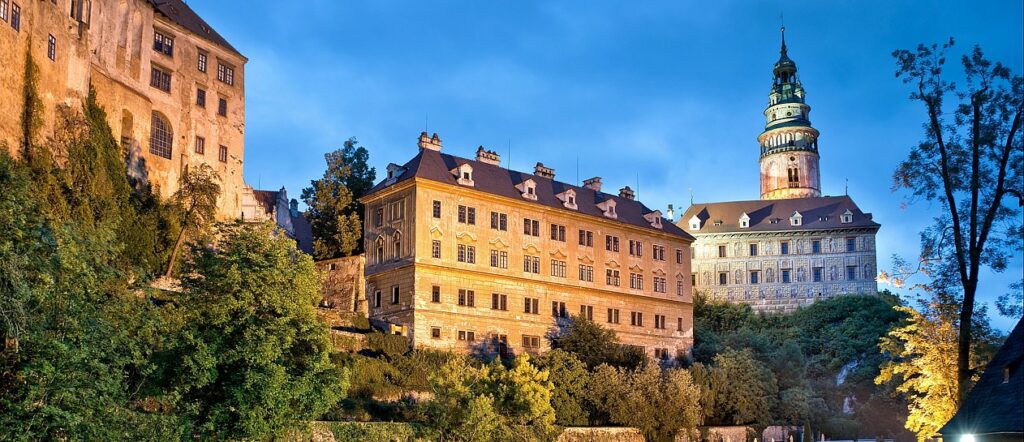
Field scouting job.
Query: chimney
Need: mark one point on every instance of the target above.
(542, 171)
(488, 156)
(293, 207)
(627, 193)
(593, 184)
(427, 142)
(671, 213)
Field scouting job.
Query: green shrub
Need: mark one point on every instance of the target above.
(391, 346)
(360, 322)
(378, 431)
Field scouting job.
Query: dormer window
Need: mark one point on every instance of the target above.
(608, 207)
(654, 218)
(744, 221)
(528, 189)
(394, 171)
(568, 199)
(694, 223)
(796, 219)
(464, 175)
(846, 217)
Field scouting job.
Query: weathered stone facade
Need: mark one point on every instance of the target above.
(147, 62)
(344, 283)
(468, 256)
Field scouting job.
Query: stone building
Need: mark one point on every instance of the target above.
(463, 254)
(793, 246)
(172, 87)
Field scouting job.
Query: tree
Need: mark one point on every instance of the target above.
(595, 345)
(921, 367)
(750, 393)
(968, 162)
(334, 210)
(657, 402)
(569, 378)
(253, 360)
(197, 197)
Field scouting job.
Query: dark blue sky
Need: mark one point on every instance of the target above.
(670, 92)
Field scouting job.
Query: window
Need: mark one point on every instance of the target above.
(557, 232)
(499, 221)
(222, 154)
(679, 256)
(201, 62)
(467, 336)
(531, 264)
(636, 281)
(558, 268)
(160, 136)
(636, 319)
(659, 322)
(436, 213)
(784, 247)
(398, 210)
(587, 311)
(636, 248)
(160, 79)
(467, 215)
(721, 251)
(660, 285)
(16, 16)
(435, 294)
(679, 324)
(586, 273)
(394, 294)
(851, 244)
(163, 43)
(658, 252)
(435, 249)
(723, 278)
(201, 97)
(531, 306)
(785, 276)
(467, 298)
(680, 288)
(661, 353)
(531, 342)
(376, 298)
(558, 309)
(396, 245)
(3, 10)
(379, 255)
(754, 277)
(222, 107)
(613, 316)
(693, 279)
(611, 277)
(586, 238)
(851, 273)
(378, 217)
(200, 145)
(226, 73)
(467, 254)
(51, 48)
(816, 274)
(531, 227)
(499, 259)
(499, 301)
(611, 243)
(816, 246)
(753, 250)
(435, 332)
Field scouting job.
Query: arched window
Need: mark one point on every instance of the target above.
(794, 177)
(379, 250)
(397, 245)
(160, 136)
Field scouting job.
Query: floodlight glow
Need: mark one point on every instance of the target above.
(967, 438)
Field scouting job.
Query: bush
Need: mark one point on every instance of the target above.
(360, 322)
(391, 346)
(378, 431)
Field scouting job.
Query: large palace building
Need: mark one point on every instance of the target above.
(172, 87)
(793, 246)
(463, 254)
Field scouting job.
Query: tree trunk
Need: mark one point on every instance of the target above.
(174, 253)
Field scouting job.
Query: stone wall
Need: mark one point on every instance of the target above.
(344, 283)
(600, 434)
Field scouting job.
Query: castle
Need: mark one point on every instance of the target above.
(172, 87)
(793, 246)
(465, 255)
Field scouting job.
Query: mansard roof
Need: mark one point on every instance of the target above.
(181, 14)
(821, 213)
(435, 166)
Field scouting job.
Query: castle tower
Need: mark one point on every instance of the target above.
(789, 145)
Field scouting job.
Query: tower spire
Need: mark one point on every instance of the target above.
(783, 50)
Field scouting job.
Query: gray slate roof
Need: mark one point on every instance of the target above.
(993, 406)
(497, 180)
(820, 213)
(179, 12)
